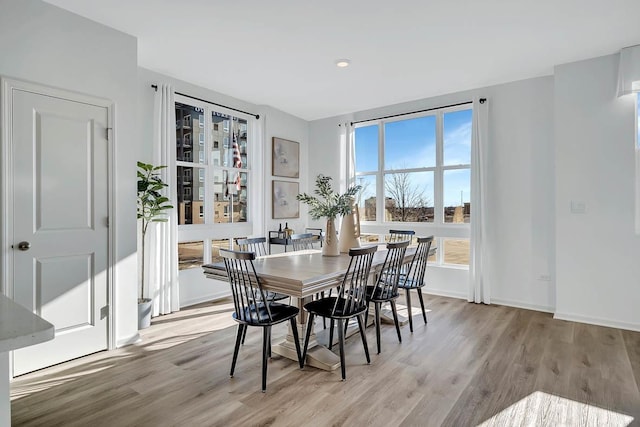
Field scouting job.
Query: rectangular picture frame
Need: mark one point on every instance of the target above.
(283, 200)
(285, 158)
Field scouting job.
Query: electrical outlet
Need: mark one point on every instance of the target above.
(578, 207)
(544, 277)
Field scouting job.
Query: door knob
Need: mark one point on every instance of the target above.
(24, 246)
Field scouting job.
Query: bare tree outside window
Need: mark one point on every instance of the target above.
(406, 200)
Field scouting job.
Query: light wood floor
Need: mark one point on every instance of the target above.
(471, 365)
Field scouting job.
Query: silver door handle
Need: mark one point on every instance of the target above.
(24, 246)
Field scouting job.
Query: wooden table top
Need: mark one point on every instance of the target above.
(302, 273)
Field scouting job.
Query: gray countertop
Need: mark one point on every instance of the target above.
(19, 327)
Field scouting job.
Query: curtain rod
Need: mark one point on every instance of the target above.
(482, 101)
(257, 116)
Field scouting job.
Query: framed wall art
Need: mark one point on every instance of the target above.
(284, 202)
(285, 158)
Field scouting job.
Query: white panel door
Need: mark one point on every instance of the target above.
(60, 214)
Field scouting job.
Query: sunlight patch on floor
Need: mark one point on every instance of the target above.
(19, 390)
(540, 408)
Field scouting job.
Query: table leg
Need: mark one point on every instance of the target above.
(318, 356)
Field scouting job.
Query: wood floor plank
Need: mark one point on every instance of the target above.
(470, 365)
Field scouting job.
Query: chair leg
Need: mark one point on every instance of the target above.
(346, 326)
(424, 313)
(269, 344)
(244, 335)
(377, 308)
(324, 319)
(331, 325)
(364, 339)
(266, 337)
(366, 313)
(343, 368)
(241, 329)
(408, 292)
(308, 334)
(395, 319)
(294, 330)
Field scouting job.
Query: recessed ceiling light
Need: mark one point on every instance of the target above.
(341, 63)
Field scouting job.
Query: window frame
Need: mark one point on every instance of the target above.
(440, 229)
(210, 231)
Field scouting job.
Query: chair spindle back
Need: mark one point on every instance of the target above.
(249, 298)
(400, 235)
(352, 293)
(418, 266)
(255, 244)
(302, 241)
(387, 283)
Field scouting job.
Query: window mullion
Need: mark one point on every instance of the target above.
(438, 210)
(380, 181)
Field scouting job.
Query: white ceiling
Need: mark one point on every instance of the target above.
(282, 52)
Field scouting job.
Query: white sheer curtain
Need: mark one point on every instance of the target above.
(479, 291)
(629, 83)
(347, 146)
(163, 236)
(629, 70)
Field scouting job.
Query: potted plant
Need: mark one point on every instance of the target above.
(329, 205)
(151, 208)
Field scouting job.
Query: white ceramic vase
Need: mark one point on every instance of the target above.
(330, 246)
(350, 229)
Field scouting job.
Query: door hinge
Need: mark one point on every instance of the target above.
(107, 131)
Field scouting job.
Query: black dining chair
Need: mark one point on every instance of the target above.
(252, 308)
(302, 241)
(350, 301)
(413, 278)
(257, 245)
(386, 287)
(401, 235)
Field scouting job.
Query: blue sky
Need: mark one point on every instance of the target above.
(412, 144)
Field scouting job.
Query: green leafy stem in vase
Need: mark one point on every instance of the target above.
(329, 204)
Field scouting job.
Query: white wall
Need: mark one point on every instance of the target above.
(47, 45)
(520, 196)
(194, 286)
(283, 125)
(598, 251)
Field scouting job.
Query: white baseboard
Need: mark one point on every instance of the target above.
(443, 293)
(520, 304)
(205, 298)
(597, 321)
(128, 341)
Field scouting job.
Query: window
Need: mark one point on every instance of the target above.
(212, 184)
(190, 254)
(417, 169)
